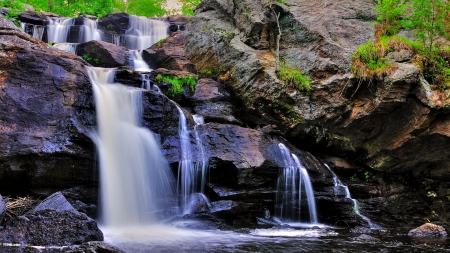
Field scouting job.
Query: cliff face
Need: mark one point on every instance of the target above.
(397, 124)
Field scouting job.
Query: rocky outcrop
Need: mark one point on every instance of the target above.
(103, 54)
(46, 116)
(169, 54)
(212, 102)
(56, 201)
(397, 124)
(428, 230)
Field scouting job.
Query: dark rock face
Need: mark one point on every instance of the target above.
(126, 75)
(32, 17)
(116, 23)
(428, 230)
(51, 227)
(103, 54)
(178, 22)
(93, 247)
(169, 55)
(47, 116)
(211, 101)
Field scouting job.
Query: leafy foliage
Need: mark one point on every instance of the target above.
(188, 6)
(177, 83)
(390, 13)
(294, 78)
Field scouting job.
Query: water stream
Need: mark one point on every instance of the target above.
(136, 181)
(338, 183)
(292, 185)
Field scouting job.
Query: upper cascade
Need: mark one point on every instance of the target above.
(141, 32)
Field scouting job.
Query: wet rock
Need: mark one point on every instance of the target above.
(114, 23)
(55, 202)
(31, 17)
(224, 206)
(198, 204)
(169, 54)
(178, 22)
(100, 247)
(46, 116)
(428, 230)
(102, 54)
(84, 199)
(367, 238)
(2, 209)
(51, 227)
(128, 76)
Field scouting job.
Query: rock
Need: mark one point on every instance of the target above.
(169, 54)
(126, 75)
(400, 56)
(31, 17)
(224, 206)
(46, 116)
(55, 202)
(84, 199)
(178, 22)
(428, 230)
(221, 112)
(51, 227)
(198, 204)
(2, 209)
(367, 238)
(103, 54)
(92, 247)
(113, 24)
(208, 90)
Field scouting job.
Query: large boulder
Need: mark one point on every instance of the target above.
(56, 201)
(428, 230)
(46, 117)
(2, 209)
(169, 54)
(51, 227)
(103, 54)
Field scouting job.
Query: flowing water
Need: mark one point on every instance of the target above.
(292, 185)
(142, 32)
(136, 181)
(338, 183)
(191, 175)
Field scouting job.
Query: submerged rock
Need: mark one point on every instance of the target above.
(428, 230)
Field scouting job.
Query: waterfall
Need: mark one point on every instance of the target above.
(292, 185)
(58, 29)
(142, 32)
(338, 183)
(136, 181)
(70, 47)
(191, 176)
(89, 31)
(137, 62)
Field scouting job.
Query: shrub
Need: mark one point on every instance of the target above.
(390, 13)
(294, 78)
(177, 83)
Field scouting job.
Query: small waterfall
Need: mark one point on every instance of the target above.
(142, 32)
(136, 181)
(292, 185)
(338, 183)
(191, 176)
(58, 29)
(89, 31)
(138, 62)
(70, 47)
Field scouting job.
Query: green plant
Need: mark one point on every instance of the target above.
(354, 178)
(96, 60)
(161, 41)
(177, 83)
(294, 78)
(390, 13)
(366, 175)
(86, 57)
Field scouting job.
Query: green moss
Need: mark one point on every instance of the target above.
(178, 83)
(294, 78)
(161, 41)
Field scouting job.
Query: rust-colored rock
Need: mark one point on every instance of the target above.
(428, 230)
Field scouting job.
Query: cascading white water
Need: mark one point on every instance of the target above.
(143, 32)
(136, 182)
(89, 31)
(293, 182)
(338, 183)
(138, 62)
(37, 31)
(70, 47)
(191, 176)
(58, 29)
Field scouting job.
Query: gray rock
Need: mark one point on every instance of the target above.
(56, 201)
(198, 204)
(428, 230)
(103, 54)
(2, 208)
(51, 227)
(400, 56)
